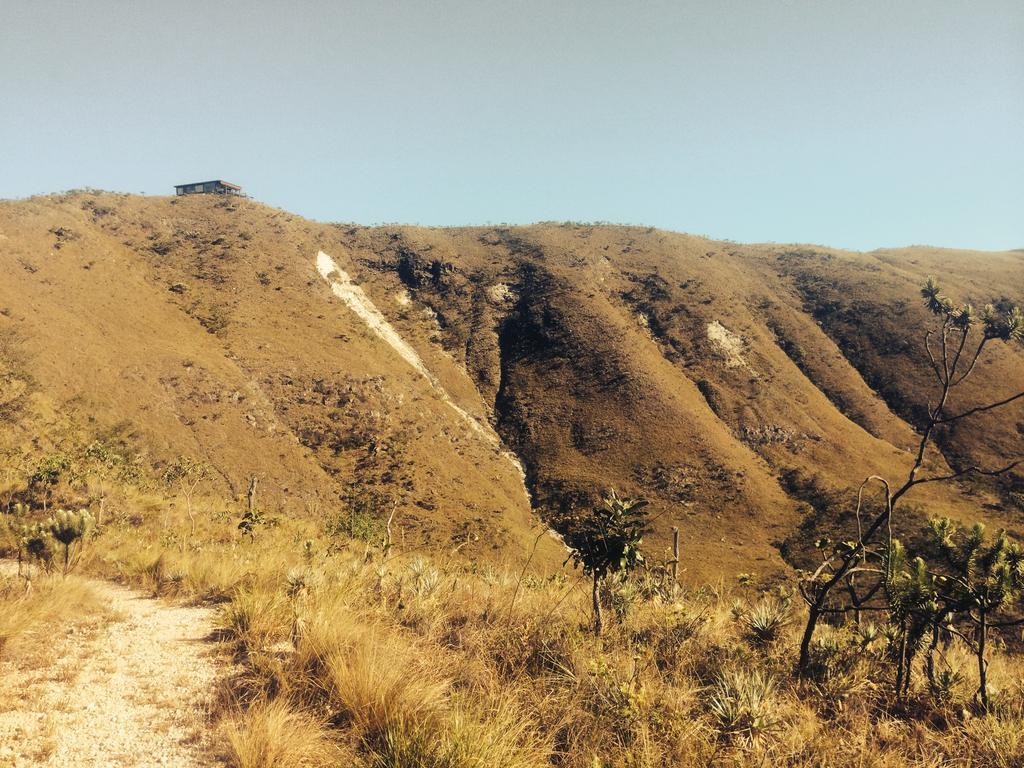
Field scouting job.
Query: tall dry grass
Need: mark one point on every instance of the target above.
(30, 606)
(275, 735)
(348, 658)
(415, 663)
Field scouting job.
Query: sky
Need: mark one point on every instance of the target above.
(855, 124)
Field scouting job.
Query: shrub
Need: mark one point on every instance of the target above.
(744, 706)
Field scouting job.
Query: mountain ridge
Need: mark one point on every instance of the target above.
(714, 378)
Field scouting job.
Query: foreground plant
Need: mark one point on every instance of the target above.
(954, 350)
(744, 705)
(69, 527)
(607, 541)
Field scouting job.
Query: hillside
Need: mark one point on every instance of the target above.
(417, 368)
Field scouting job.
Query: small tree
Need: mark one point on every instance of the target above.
(252, 519)
(14, 463)
(186, 473)
(69, 527)
(981, 580)
(607, 541)
(48, 474)
(954, 349)
(102, 460)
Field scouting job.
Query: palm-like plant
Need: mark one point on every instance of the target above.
(69, 527)
(983, 578)
(914, 608)
(34, 541)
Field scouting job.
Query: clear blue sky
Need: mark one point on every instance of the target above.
(861, 123)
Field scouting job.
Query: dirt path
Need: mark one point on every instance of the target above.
(131, 690)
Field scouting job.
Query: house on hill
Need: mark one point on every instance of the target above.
(215, 187)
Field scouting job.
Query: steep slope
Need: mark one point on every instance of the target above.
(595, 342)
(209, 331)
(720, 381)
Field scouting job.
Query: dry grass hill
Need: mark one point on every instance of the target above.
(240, 403)
(728, 384)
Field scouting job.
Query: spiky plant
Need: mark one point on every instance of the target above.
(766, 620)
(425, 577)
(69, 527)
(743, 704)
(983, 578)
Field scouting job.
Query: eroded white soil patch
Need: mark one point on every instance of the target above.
(728, 344)
(355, 299)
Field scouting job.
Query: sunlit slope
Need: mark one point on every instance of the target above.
(209, 332)
(713, 378)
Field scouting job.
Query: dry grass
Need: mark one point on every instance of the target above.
(29, 606)
(408, 661)
(273, 735)
(415, 663)
(378, 685)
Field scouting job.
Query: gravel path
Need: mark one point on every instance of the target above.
(133, 690)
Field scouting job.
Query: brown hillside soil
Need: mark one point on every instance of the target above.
(718, 380)
(133, 690)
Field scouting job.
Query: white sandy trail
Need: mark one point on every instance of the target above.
(355, 298)
(134, 695)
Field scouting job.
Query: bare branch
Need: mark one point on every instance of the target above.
(931, 356)
(980, 409)
(945, 353)
(971, 471)
(970, 643)
(959, 352)
(974, 361)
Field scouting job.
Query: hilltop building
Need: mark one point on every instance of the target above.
(215, 187)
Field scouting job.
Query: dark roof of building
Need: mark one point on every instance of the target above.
(211, 181)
